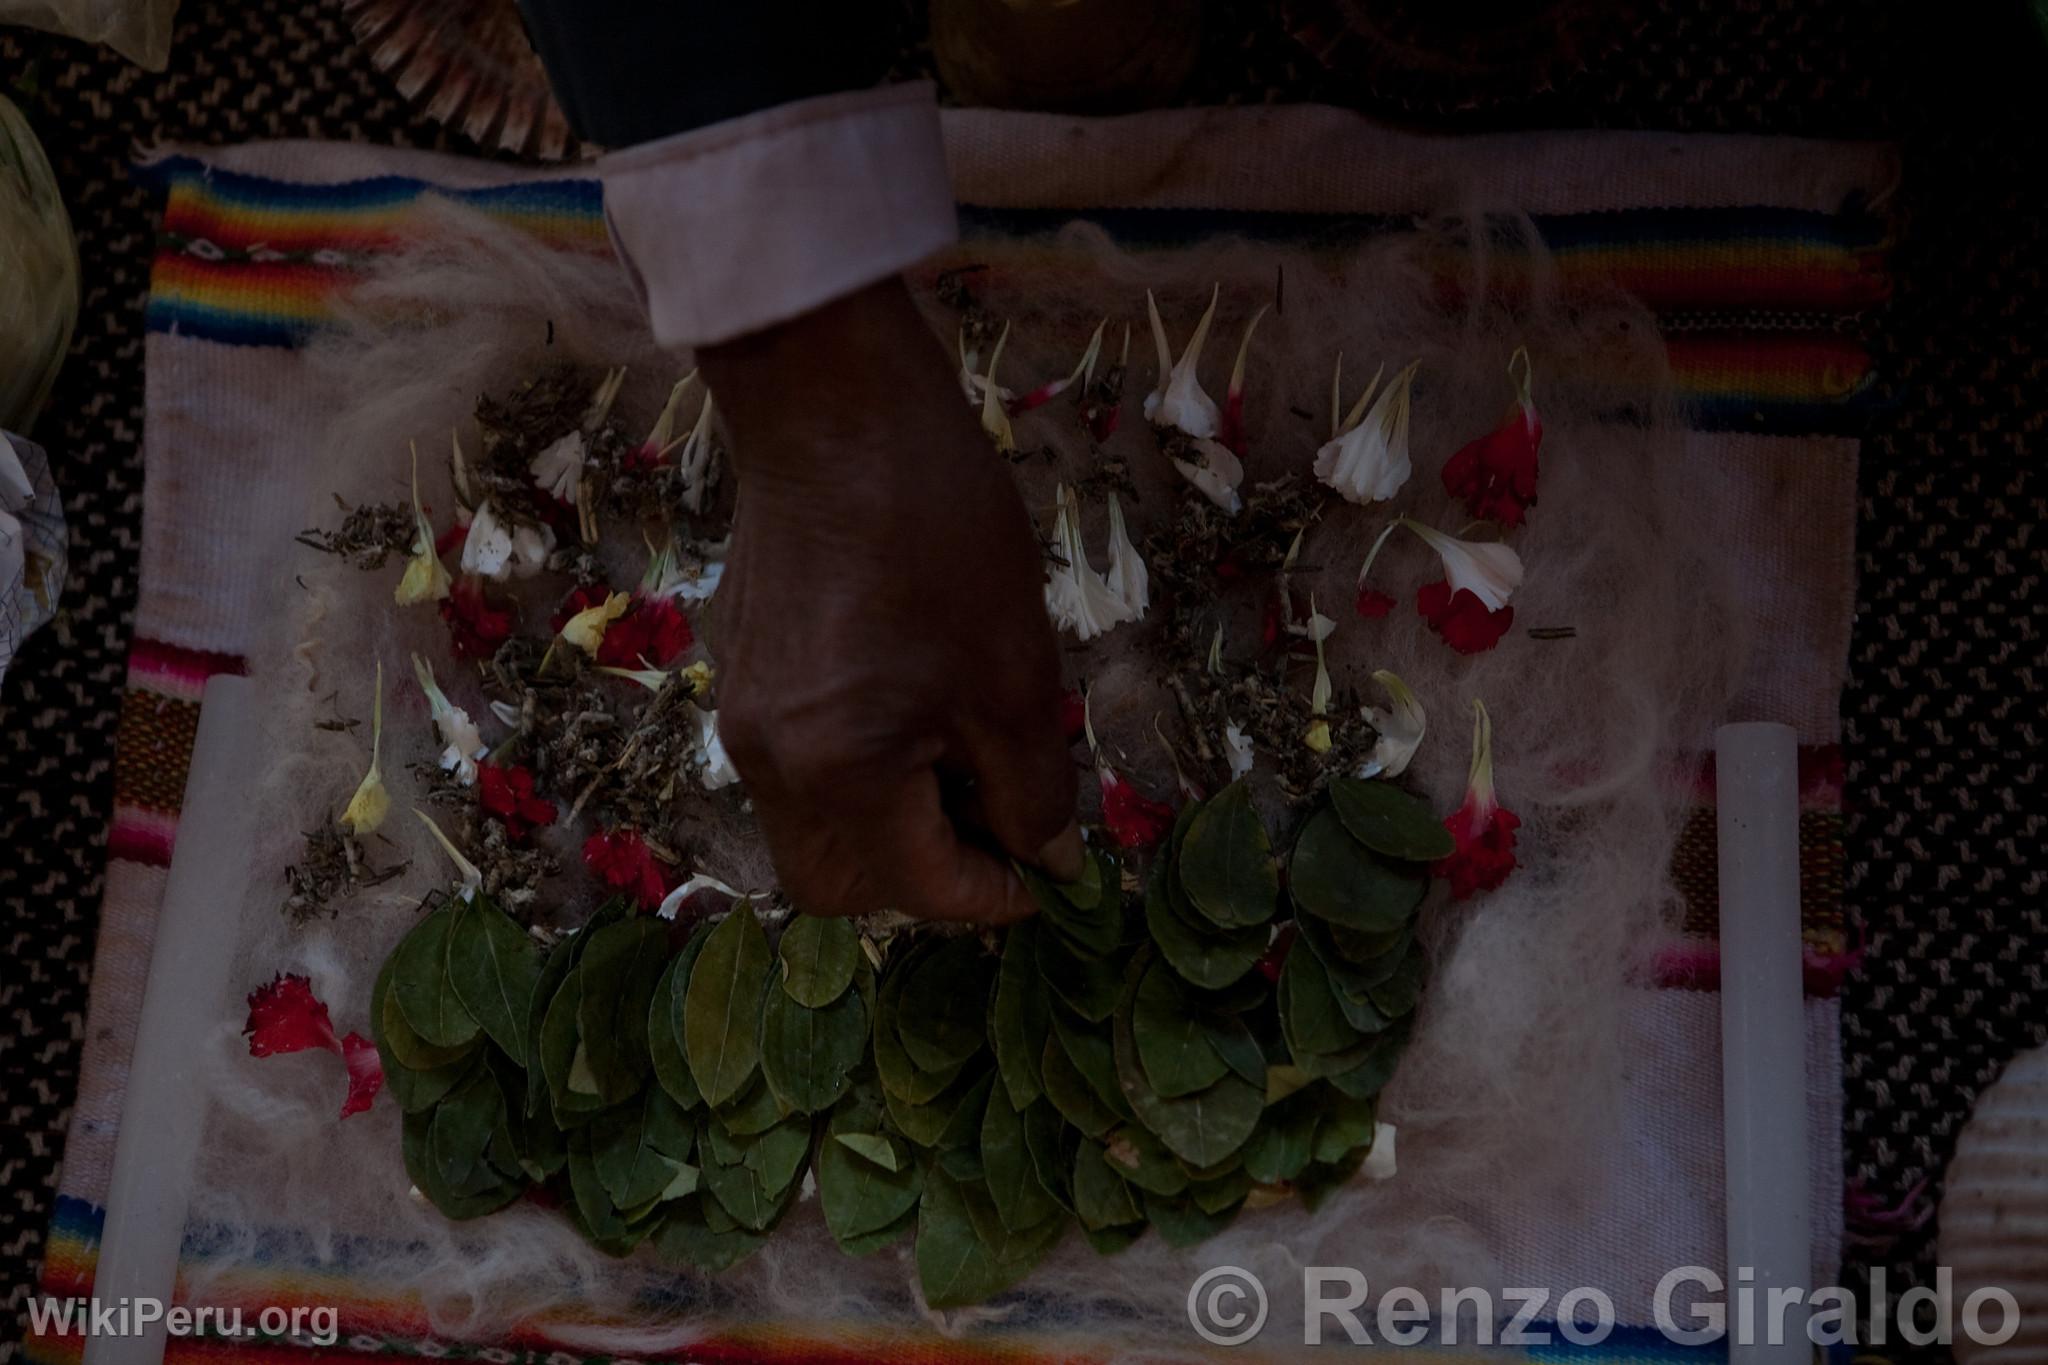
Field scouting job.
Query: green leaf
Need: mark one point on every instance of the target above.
(876, 1147)
(955, 1266)
(722, 1009)
(1019, 1019)
(808, 1055)
(900, 1076)
(943, 1015)
(545, 987)
(1070, 1093)
(1089, 913)
(1007, 1168)
(868, 1243)
(419, 984)
(777, 1156)
(686, 1237)
(1207, 957)
(460, 1132)
(634, 1152)
(1220, 1193)
(1309, 1013)
(1086, 983)
(1093, 1054)
(1374, 1065)
(493, 968)
(1232, 1039)
(1111, 1241)
(1347, 1126)
(1143, 1160)
(1226, 861)
(1102, 1199)
(619, 968)
(1172, 1037)
(1049, 1141)
(1183, 1223)
(414, 1090)
(1201, 1129)
(1334, 877)
(860, 1195)
(1284, 1140)
(1354, 976)
(754, 1110)
(926, 1124)
(739, 1188)
(1390, 821)
(560, 1046)
(1400, 992)
(818, 959)
(601, 1218)
(665, 1029)
(420, 1169)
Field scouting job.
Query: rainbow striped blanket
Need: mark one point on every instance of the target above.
(1760, 258)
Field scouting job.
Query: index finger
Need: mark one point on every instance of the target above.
(932, 872)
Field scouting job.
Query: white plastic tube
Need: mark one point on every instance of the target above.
(161, 1115)
(1763, 1041)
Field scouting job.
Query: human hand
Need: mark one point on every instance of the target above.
(891, 680)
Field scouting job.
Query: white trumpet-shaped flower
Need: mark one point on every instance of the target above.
(1053, 388)
(1239, 746)
(1075, 595)
(1216, 471)
(464, 743)
(1399, 726)
(1179, 402)
(1127, 576)
(700, 881)
(662, 438)
(425, 580)
(1317, 736)
(715, 768)
(971, 384)
(995, 416)
(1379, 1158)
(1231, 429)
(697, 462)
(1367, 460)
(1488, 569)
(498, 549)
(472, 876)
(691, 577)
(558, 469)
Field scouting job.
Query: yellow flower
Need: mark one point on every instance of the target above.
(425, 580)
(585, 629)
(699, 675)
(371, 803)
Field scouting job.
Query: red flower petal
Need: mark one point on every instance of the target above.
(475, 627)
(285, 1016)
(451, 539)
(1485, 852)
(1133, 819)
(1373, 604)
(1276, 954)
(506, 793)
(365, 1073)
(1495, 475)
(655, 630)
(1461, 618)
(621, 860)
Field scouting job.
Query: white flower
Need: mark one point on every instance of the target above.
(465, 745)
(995, 416)
(1379, 1158)
(697, 462)
(372, 801)
(1179, 402)
(1075, 595)
(1400, 728)
(717, 769)
(1127, 576)
(472, 877)
(499, 550)
(1318, 734)
(701, 881)
(659, 441)
(1316, 629)
(1240, 746)
(690, 577)
(1367, 461)
(1217, 474)
(559, 468)
(1488, 569)
(1053, 388)
(971, 384)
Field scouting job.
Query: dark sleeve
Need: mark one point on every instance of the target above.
(629, 71)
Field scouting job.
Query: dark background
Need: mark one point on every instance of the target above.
(1943, 717)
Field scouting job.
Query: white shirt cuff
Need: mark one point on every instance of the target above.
(748, 223)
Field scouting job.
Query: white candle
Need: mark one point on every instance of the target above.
(162, 1112)
(1763, 1040)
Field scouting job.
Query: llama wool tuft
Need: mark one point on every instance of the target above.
(1514, 1069)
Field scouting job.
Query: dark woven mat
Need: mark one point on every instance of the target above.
(1943, 717)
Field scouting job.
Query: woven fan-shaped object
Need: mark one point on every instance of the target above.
(468, 64)
(1994, 1217)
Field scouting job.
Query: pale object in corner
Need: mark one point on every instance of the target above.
(139, 30)
(1994, 1217)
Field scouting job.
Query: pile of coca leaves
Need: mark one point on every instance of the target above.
(1160, 1048)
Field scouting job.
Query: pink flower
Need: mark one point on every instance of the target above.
(655, 629)
(621, 860)
(285, 1016)
(1495, 475)
(1483, 828)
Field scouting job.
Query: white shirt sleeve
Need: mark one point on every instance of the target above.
(744, 224)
